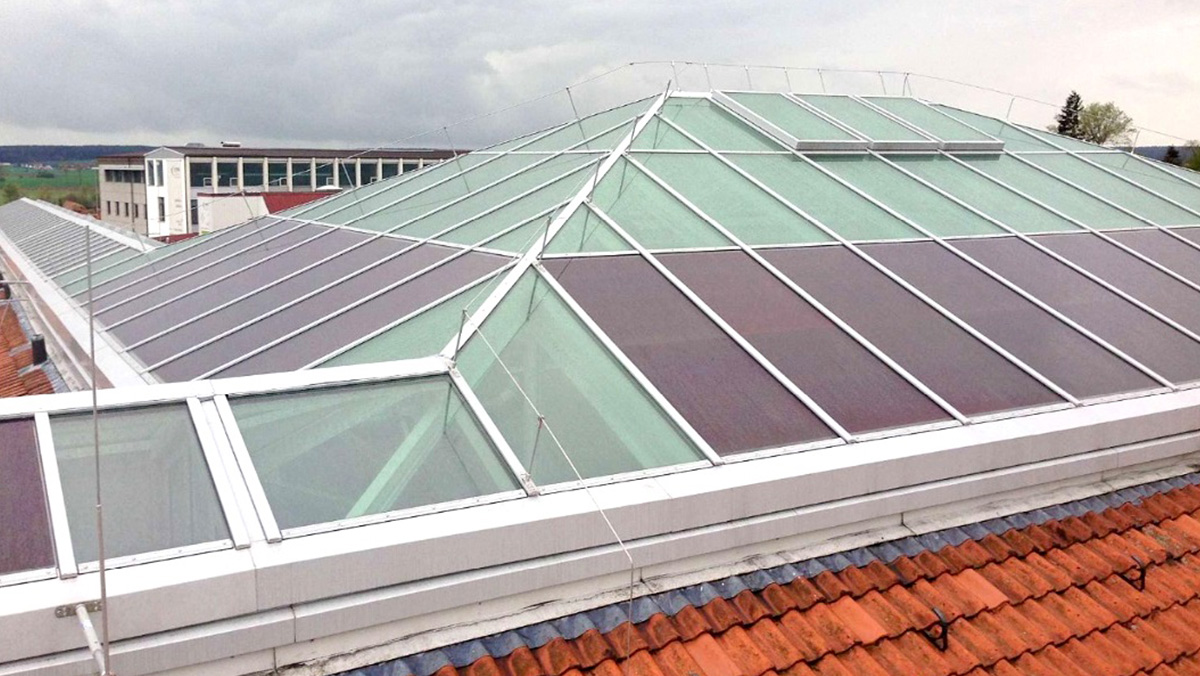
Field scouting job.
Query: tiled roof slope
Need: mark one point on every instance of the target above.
(1052, 591)
(18, 375)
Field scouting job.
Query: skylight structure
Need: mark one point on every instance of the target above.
(674, 289)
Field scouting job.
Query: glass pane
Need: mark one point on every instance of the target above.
(1060, 141)
(728, 398)
(658, 135)
(1033, 335)
(486, 198)
(420, 336)
(579, 134)
(749, 212)
(585, 231)
(1115, 190)
(452, 178)
(907, 196)
(822, 197)
(252, 173)
(1052, 192)
(333, 454)
(715, 127)
(984, 194)
(860, 118)
(1135, 277)
(521, 239)
(1188, 175)
(354, 323)
(965, 372)
(248, 280)
(262, 321)
(547, 198)
(155, 291)
(927, 119)
(650, 214)
(1015, 140)
(1180, 257)
(605, 422)
(79, 274)
(24, 524)
(847, 381)
(796, 120)
(156, 487)
(1192, 234)
(1141, 336)
(1146, 173)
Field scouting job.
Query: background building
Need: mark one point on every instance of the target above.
(122, 195)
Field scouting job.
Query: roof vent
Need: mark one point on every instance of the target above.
(193, 144)
(231, 144)
(37, 345)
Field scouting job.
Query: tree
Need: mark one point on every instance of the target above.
(1172, 156)
(1068, 117)
(10, 193)
(1104, 123)
(1193, 160)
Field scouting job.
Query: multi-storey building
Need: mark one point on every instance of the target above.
(172, 181)
(122, 190)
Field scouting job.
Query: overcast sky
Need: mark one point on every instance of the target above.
(376, 72)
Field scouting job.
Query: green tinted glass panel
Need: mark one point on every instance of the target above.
(606, 423)
(1131, 197)
(580, 134)
(1014, 138)
(715, 127)
(80, 274)
(521, 239)
(1052, 192)
(928, 120)
(515, 212)
(658, 135)
(157, 491)
(650, 214)
(1148, 174)
(405, 199)
(1061, 141)
(749, 212)
(983, 193)
(333, 454)
(822, 197)
(1188, 175)
(855, 115)
(482, 200)
(584, 231)
(420, 336)
(907, 196)
(790, 117)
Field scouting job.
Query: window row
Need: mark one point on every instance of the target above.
(293, 173)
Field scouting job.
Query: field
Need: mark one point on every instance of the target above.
(53, 185)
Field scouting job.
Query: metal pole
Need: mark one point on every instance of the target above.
(99, 652)
(96, 457)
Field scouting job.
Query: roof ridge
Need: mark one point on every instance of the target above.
(977, 573)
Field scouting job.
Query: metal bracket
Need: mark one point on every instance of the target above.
(69, 609)
(938, 634)
(1138, 576)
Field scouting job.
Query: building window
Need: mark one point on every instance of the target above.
(390, 169)
(227, 174)
(277, 173)
(367, 172)
(108, 207)
(411, 166)
(150, 173)
(200, 174)
(195, 214)
(162, 209)
(252, 174)
(325, 173)
(126, 209)
(158, 172)
(135, 210)
(302, 175)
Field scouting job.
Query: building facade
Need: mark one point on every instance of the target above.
(122, 190)
(176, 176)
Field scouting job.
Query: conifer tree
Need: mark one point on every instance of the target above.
(1172, 156)
(1068, 117)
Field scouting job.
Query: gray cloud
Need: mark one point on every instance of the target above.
(374, 71)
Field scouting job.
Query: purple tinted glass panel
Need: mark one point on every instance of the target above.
(253, 277)
(1033, 335)
(1182, 258)
(1128, 273)
(1141, 336)
(722, 392)
(843, 377)
(964, 371)
(269, 327)
(169, 269)
(155, 291)
(24, 524)
(267, 299)
(1192, 234)
(374, 314)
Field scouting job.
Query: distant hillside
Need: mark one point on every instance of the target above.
(52, 154)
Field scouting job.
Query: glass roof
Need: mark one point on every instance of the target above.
(662, 285)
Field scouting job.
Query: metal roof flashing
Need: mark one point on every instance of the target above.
(402, 570)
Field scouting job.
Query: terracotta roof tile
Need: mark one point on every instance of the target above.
(1052, 597)
(18, 376)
